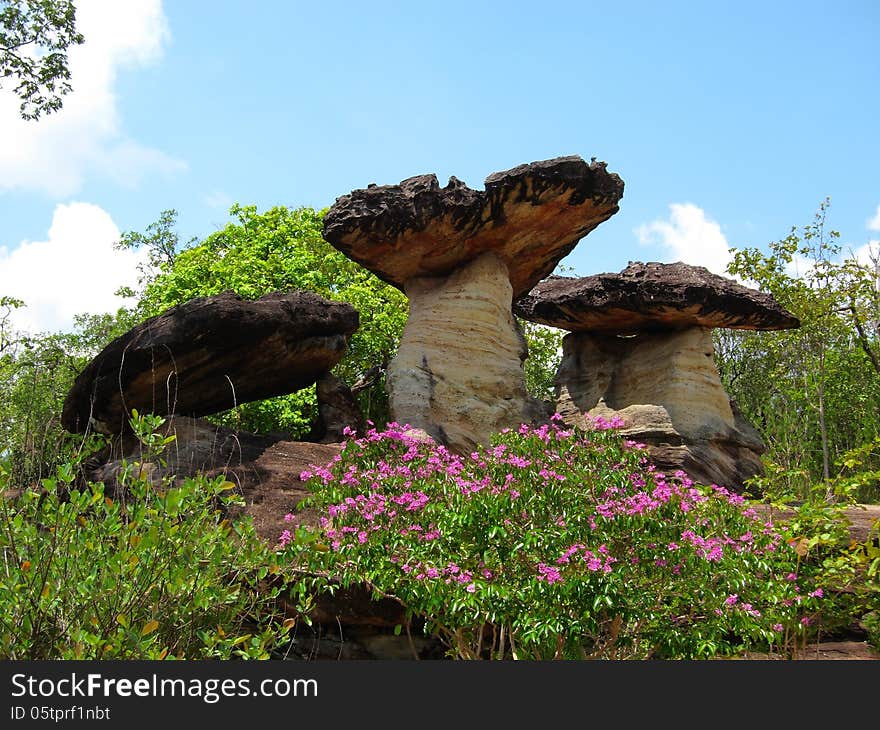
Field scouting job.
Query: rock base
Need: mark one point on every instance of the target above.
(666, 388)
(458, 374)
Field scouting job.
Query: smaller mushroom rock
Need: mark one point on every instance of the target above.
(208, 355)
(640, 348)
(651, 296)
(665, 387)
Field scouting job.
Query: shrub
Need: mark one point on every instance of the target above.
(149, 573)
(553, 543)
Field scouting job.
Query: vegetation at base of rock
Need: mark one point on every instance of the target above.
(560, 543)
(149, 573)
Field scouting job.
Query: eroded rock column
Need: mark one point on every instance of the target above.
(666, 388)
(458, 373)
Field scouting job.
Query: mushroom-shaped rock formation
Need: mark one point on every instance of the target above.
(461, 256)
(640, 347)
(209, 354)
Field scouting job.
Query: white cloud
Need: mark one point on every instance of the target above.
(218, 200)
(75, 270)
(56, 153)
(688, 236)
(874, 223)
(869, 254)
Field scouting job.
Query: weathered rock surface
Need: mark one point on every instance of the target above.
(531, 216)
(458, 374)
(641, 349)
(209, 354)
(461, 255)
(338, 409)
(665, 387)
(651, 296)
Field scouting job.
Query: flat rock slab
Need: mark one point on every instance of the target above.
(531, 216)
(651, 296)
(208, 355)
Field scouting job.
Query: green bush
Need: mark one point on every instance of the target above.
(148, 572)
(555, 543)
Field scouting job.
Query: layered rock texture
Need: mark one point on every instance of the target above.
(641, 349)
(665, 387)
(651, 296)
(461, 256)
(458, 374)
(208, 355)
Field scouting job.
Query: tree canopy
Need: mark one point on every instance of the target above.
(281, 249)
(813, 392)
(34, 38)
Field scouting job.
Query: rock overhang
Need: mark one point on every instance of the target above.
(208, 355)
(649, 296)
(531, 216)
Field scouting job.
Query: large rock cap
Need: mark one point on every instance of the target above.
(209, 354)
(651, 296)
(531, 216)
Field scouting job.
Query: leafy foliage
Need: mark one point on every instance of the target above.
(34, 38)
(554, 544)
(36, 373)
(813, 391)
(281, 249)
(150, 573)
(545, 352)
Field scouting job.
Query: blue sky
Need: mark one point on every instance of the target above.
(728, 122)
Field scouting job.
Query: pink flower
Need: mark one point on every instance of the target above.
(818, 593)
(471, 587)
(549, 574)
(778, 627)
(731, 600)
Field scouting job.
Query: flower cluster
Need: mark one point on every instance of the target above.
(553, 531)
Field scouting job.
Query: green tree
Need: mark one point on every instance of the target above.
(281, 249)
(34, 38)
(545, 351)
(36, 373)
(814, 392)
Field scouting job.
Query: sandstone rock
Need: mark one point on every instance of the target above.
(665, 387)
(208, 355)
(461, 255)
(458, 373)
(641, 349)
(337, 410)
(651, 296)
(531, 216)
